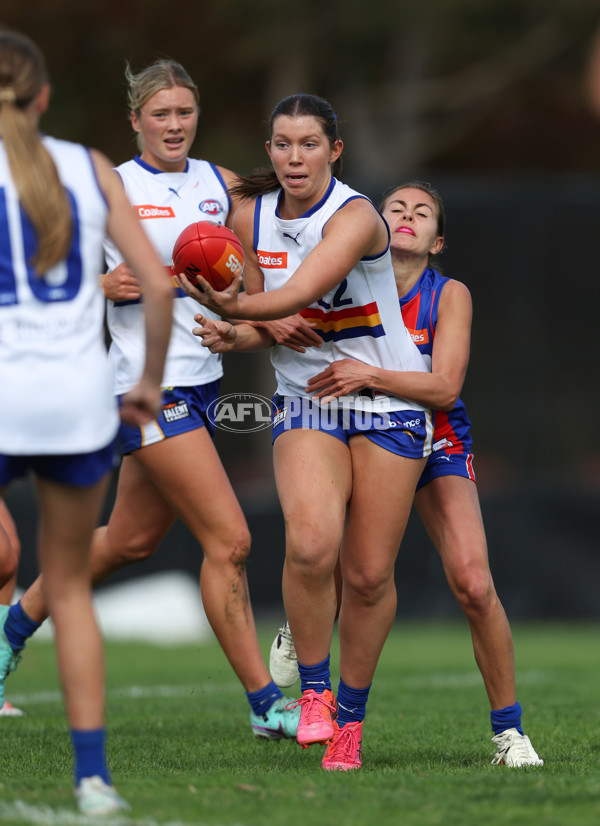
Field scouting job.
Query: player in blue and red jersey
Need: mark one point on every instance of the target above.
(437, 311)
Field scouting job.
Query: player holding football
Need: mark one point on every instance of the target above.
(438, 312)
(314, 245)
(59, 417)
(158, 479)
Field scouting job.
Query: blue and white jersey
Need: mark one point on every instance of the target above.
(359, 319)
(55, 377)
(166, 203)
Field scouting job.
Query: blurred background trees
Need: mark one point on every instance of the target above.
(436, 85)
(496, 104)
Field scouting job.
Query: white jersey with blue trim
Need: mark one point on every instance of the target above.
(56, 379)
(166, 203)
(359, 319)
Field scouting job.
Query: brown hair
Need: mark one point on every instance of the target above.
(162, 74)
(34, 173)
(265, 180)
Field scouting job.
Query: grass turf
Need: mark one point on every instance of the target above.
(181, 750)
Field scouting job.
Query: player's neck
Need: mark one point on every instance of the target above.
(407, 271)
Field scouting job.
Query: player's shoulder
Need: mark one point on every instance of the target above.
(228, 175)
(59, 147)
(455, 287)
(243, 219)
(128, 168)
(454, 294)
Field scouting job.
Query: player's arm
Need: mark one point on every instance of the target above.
(439, 389)
(230, 179)
(293, 332)
(125, 230)
(221, 336)
(354, 231)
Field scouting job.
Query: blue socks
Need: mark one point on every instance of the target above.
(351, 703)
(90, 756)
(509, 717)
(18, 627)
(315, 676)
(262, 700)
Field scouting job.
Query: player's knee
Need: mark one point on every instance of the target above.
(311, 552)
(369, 587)
(9, 562)
(135, 549)
(475, 592)
(240, 548)
(229, 549)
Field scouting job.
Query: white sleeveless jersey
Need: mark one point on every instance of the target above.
(55, 377)
(360, 319)
(166, 203)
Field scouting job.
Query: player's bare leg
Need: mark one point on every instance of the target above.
(449, 508)
(9, 555)
(382, 496)
(67, 519)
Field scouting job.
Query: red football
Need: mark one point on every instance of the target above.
(211, 250)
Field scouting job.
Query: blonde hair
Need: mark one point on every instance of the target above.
(34, 173)
(163, 74)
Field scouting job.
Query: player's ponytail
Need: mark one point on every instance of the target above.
(34, 173)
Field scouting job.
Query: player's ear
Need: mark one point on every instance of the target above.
(43, 99)
(135, 123)
(438, 245)
(268, 148)
(336, 150)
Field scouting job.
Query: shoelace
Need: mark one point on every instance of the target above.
(314, 703)
(517, 743)
(522, 746)
(345, 745)
(285, 639)
(13, 662)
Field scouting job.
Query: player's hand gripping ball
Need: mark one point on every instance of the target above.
(211, 250)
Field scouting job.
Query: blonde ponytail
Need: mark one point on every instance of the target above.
(34, 173)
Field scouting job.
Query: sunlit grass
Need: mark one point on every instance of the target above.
(181, 750)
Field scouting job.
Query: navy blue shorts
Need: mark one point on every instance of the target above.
(404, 432)
(441, 463)
(183, 409)
(81, 470)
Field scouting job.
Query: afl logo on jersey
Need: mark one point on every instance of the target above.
(210, 207)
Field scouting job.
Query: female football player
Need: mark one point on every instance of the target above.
(165, 459)
(437, 310)
(59, 417)
(345, 473)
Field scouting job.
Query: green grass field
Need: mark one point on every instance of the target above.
(181, 750)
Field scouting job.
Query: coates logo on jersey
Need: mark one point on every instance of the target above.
(210, 207)
(419, 336)
(272, 260)
(149, 211)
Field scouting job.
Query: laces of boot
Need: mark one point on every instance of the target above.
(523, 748)
(315, 707)
(344, 746)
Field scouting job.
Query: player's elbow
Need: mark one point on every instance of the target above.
(448, 398)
